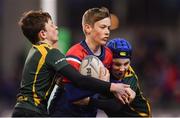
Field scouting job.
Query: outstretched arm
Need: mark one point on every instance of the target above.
(57, 62)
(85, 82)
(90, 83)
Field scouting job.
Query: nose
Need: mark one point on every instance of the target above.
(107, 31)
(56, 27)
(121, 68)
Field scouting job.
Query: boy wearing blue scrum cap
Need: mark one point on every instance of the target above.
(122, 72)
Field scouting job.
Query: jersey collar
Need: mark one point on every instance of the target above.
(86, 47)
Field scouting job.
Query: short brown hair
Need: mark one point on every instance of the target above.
(32, 22)
(95, 14)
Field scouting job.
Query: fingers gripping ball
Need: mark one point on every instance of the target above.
(92, 66)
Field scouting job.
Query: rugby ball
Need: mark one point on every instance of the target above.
(90, 66)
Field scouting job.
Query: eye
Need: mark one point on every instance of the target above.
(102, 27)
(125, 64)
(109, 28)
(117, 64)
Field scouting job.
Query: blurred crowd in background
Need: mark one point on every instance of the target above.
(152, 26)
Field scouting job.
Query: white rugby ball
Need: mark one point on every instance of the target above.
(90, 66)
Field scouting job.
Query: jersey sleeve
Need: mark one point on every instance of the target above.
(109, 105)
(75, 93)
(85, 82)
(56, 59)
(74, 61)
(74, 57)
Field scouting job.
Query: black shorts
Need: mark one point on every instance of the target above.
(21, 112)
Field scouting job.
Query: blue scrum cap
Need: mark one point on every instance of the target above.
(120, 48)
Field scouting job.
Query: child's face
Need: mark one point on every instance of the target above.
(119, 67)
(51, 31)
(100, 31)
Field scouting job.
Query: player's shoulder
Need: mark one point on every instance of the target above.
(45, 51)
(108, 50)
(131, 73)
(54, 51)
(76, 53)
(75, 49)
(108, 54)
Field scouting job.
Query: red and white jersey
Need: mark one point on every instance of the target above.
(79, 51)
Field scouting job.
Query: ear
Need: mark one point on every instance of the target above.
(42, 34)
(87, 28)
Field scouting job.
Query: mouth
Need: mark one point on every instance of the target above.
(120, 74)
(105, 38)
